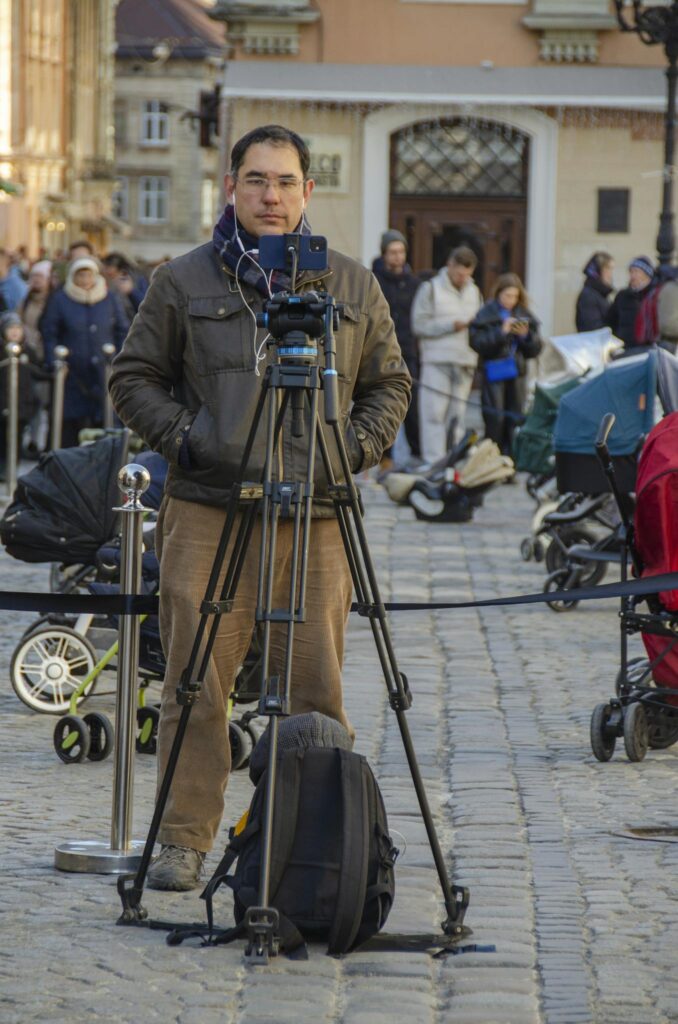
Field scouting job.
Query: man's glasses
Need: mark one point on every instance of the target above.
(285, 185)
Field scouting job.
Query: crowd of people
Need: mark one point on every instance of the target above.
(78, 301)
(643, 313)
(450, 339)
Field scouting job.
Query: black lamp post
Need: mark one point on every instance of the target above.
(655, 24)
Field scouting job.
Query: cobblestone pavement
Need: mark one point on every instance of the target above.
(585, 922)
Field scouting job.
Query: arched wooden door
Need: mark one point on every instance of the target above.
(461, 182)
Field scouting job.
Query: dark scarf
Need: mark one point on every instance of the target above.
(226, 244)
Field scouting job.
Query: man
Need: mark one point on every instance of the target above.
(399, 285)
(187, 380)
(442, 310)
(623, 314)
(122, 278)
(13, 288)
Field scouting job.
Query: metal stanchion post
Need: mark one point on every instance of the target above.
(60, 371)
(123, 854)
(108, 352)
(13, 350)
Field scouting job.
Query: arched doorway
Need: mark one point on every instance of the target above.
(461, 182)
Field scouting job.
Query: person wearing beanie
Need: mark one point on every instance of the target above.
(399, 286)
(84, 316)
(593, 303)
(623, 313)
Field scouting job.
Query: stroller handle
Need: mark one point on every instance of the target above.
(606, 425)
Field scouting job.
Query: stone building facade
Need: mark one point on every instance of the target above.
(56, 106)
(168, 56)
(530, 130)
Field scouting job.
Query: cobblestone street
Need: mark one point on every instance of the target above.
(584, 921)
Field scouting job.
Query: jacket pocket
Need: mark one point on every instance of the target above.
(221, 334)
(349, 350)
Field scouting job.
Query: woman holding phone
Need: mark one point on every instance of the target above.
(505, 334)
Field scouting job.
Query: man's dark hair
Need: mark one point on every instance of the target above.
(82, 243)
(118, 261)
(464, 256)
(272, 135)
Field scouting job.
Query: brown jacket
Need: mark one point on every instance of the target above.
(188, 365)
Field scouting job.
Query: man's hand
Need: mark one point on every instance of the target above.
(460, 325)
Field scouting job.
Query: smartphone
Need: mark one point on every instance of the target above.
(520, 323)
(275, 252)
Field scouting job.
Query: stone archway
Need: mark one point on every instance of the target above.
(461, 182)
(542, 131)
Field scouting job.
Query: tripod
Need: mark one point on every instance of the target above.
(293, 381)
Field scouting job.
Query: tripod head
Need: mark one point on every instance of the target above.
(296, 322)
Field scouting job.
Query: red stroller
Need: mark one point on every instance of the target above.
(645, 708)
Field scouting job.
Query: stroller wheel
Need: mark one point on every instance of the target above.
(49, 665)
(100, 736)
(558, 581)
(147, 722)
(526, 549)
(603, 738)
(71, 739)
(636, 733)
(662, 730)
(556, 556)
(241, 746)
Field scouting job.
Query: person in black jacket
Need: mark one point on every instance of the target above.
(623, 314)
(593, 302)
(399, 286)
(504, 329)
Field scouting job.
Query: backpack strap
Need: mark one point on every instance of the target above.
(285, 816)
(352, 885)
(221, 875)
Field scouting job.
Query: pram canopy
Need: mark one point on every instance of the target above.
(656, 516)
(62, 510)
(533, 442)
(576, 354)
(656, 534)
(628, 388)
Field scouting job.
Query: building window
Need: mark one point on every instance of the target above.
(120, 123)
(154, 123)
(153, 199)
(207, 203)
(120, 199)
(460, 158)
(613, 210)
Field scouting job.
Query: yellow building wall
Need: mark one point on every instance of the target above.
(439, 34)
(335, 215)
(604, 156)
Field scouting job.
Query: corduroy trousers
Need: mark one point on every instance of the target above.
(186, 539)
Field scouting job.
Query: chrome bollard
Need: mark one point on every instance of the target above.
(108, 351)
(60, 372)
(123, 854)
(13, 350)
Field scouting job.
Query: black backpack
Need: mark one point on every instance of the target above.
(332, 876)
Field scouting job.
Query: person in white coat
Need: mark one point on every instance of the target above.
(442, 310)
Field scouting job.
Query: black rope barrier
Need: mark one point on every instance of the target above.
(129, 604)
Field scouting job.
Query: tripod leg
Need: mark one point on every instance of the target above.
(349, 513)
(130, 887)
(262, 921)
